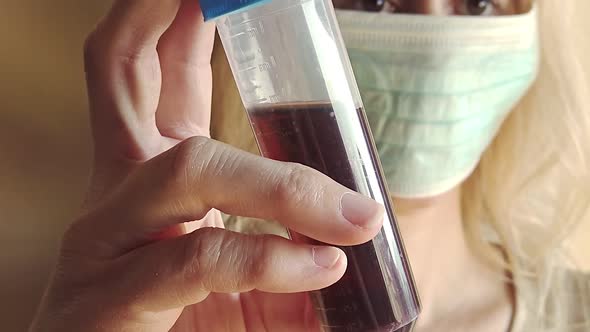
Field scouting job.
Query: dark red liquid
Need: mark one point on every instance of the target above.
(309, 134)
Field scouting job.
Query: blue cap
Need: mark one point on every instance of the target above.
(215, 8)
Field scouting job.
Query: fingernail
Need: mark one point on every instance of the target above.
(325, 257)
(359, 210)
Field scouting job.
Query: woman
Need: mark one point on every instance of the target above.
(129, 262)
(508, 196)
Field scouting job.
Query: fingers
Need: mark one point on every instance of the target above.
(185, 56)
(199, 174)
(183, 271)
(123, 76)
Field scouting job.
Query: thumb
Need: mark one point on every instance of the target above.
(179, 272)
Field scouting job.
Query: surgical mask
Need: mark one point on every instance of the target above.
(437, 89)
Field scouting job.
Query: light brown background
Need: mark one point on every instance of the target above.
(44, 140)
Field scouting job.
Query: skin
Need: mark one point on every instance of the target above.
(437, 7)
(136, 259)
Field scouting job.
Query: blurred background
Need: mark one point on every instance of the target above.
(45, 142)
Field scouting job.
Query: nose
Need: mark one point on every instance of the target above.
(426, 7)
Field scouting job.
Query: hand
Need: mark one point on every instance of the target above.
(137, 260)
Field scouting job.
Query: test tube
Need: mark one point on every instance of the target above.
(297, 85)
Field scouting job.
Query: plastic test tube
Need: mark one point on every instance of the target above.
(297, 85)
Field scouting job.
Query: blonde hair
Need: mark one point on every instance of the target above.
(532, 185)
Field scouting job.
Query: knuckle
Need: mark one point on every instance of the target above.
(200, 159)
(201, 253)
(105, 51)
(253, 261)
(189, 159)
(214, 255)
(243, 260)
(293, 186)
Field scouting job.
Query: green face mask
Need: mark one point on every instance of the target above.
(436, 89)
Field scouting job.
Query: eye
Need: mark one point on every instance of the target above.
(478, 7)
(373, 5)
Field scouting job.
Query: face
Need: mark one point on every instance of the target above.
(439, 7)
(436, 90)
